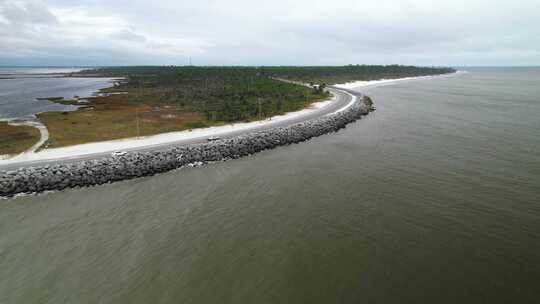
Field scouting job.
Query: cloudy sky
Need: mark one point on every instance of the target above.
(250, 32)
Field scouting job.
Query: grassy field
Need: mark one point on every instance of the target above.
(16, 139)
(115, 117)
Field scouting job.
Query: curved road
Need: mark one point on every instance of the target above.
(342, 98)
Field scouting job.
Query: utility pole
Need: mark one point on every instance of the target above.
(138, 130)
(140, 93)
(260, 109)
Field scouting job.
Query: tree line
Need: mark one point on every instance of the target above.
(243, 93)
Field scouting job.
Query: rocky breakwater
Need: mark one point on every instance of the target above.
(138, 164)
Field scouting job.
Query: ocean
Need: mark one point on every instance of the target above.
(433, 198)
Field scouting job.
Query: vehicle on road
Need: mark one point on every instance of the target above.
(119, 153)
(213, 138)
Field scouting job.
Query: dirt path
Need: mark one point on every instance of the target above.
(42, 131)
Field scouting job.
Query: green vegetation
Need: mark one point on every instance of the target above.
(115, 117)
(218, 93)
(343, 74)
(243, 93)
(16, 139)
(196, 125)
(158, 99)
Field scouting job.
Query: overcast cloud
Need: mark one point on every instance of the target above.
(243, 32)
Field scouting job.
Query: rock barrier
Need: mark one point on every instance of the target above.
(138, 164)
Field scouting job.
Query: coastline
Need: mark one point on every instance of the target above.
(68, 104)
(139, 163)
(153, 140)
(371, 83)
(127, 144)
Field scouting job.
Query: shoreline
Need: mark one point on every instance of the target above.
(72, 102)
(136, 164)
(139, 163)
(371, 83)
(171, 137)
(153, 140)
(33, 120)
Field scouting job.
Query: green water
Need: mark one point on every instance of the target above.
(434, 198)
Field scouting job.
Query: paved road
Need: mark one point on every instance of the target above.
(343, 97)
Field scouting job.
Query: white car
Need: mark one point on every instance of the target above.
(213, 138)
(119, 153)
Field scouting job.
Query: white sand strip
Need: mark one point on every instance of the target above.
(131, 143)
(371, 83)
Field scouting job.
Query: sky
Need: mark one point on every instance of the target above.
(251, 32)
